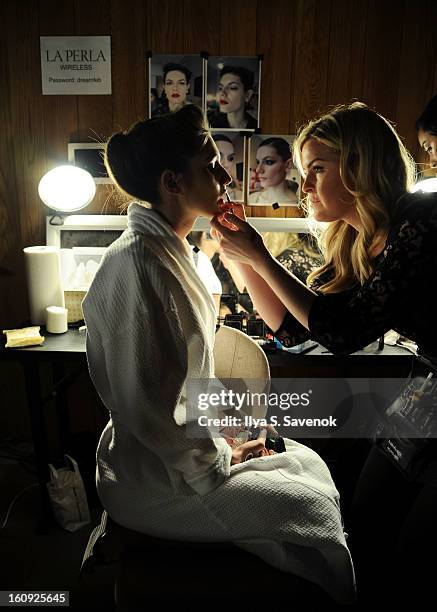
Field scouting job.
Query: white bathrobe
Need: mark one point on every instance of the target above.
(150, 325)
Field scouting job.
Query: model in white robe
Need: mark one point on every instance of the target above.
(150, 326)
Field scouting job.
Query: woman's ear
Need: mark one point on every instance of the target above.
(288, 165)
(170, 182)
(249, 93)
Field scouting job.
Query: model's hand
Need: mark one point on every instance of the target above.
(247, 450)
(243, 244)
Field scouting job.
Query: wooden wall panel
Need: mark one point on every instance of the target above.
(203, 27)
(277, 70)
(165, 26)
(60, 112)
(383, 45)
(310, 60)
(27, 120)
(238, 27)
(13, 297)
(129, 88)
(346, 51)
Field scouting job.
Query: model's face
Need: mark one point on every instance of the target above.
(230, 94)
(176, 87)
(428, 142)
(205, 181)
(227, 157)
(329, 199)
(270, 166)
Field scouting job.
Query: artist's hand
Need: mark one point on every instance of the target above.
(228, 207)
(243, 244)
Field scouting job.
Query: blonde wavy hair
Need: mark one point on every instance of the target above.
(376, 169)
(278, 242)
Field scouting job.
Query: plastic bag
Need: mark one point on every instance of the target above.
(68, 497)
(411, 422)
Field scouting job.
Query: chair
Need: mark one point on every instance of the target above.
(143, 568)
(237, 355)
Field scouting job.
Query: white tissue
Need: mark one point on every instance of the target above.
(44, 281)
(79, 268)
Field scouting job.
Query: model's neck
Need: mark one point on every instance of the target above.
(237, 119)
(279, 193)
(180, 222)
(174, 107)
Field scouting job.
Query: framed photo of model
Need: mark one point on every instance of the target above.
(231, 149)
(233, 88)
(273, 178)
(174, 81)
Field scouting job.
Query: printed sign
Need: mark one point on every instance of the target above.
(76, 65)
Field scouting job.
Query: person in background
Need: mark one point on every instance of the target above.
(228, 161)
(150, 329)
(205, 268)
(273, 162)
(234, 91)
(234, 298)
(176, 88)
(426, 127)
(379, 253)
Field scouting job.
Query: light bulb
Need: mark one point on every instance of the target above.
(427, 185)
(67, 188)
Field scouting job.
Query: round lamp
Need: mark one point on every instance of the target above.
(428, 185)
(67, 188)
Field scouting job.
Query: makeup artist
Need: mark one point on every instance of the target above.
(150, 328)
(379, 247)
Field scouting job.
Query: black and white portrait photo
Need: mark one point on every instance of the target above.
(233, 86)
(174, 81)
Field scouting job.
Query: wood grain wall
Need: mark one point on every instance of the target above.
(317, 53)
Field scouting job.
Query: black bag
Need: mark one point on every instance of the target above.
(409, 425)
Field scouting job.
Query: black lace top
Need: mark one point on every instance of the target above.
(397, 296)
(298, 262)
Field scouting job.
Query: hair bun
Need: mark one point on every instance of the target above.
(136, 159)
(116, 144)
